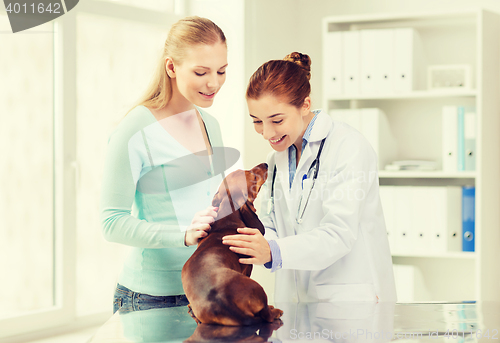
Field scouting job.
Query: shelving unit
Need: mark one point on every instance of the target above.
(453, 255)
(422, 94)
(457, 37)
(426, 175)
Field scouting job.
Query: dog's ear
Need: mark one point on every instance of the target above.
(251, 207)
(250, 218)
(216, 200)
(240, 198)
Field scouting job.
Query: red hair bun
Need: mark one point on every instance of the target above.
(303, 60)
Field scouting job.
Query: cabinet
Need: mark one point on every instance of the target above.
(469, 37)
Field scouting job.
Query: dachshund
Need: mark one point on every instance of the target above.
(218, 287)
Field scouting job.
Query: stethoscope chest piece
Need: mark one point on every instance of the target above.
(270, 204)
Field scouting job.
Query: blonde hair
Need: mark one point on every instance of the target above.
(183, 34)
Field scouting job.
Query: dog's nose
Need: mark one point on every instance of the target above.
(263, 166)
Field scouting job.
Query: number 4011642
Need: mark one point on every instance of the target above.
(486, 334)
(33, 8)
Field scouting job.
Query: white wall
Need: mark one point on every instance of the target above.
(229, 105)
(271, 31)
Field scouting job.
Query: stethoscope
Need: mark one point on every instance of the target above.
(312, 173)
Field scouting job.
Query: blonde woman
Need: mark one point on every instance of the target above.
(158, 178)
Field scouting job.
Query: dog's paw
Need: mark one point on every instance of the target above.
(191, 313)
(275, 312)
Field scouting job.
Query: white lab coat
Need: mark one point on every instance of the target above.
(340, 251)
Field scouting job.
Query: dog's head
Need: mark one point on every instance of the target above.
(239, 188)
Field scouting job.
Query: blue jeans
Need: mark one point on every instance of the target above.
(126, 300)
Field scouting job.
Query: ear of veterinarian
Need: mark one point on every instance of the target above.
(325, 235)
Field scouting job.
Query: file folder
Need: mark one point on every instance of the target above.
(369, 50)
(351, 58)
(351, 117)
(387, 201)
(405, 238)
(410, 283)
(384, 60)
(408, 60)
(450, 138)
(377, 57)
(425, 218)
(447, 212)
(470, 140)
(376, 128)
(332, 62)
(374, 125)
(468, 218)
(461, 139)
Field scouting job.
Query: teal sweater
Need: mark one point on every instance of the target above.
(152, 187)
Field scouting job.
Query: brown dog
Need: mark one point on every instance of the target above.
(217, 286)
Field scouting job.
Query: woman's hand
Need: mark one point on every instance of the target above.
(200, 225)
(249, 242)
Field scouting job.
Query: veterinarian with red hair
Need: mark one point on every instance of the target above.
(325, 232)
(156, 192)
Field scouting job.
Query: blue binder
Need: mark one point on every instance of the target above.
(468, 218)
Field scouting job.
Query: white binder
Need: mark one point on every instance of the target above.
(470, 139)
(405, 238)
(332, 64)
(368, 61)
(351, 59)
(445, 218)
(408, 60)
(387, 201)
(450, 138)
(374, 125)
(410, 283)
(427, 220)
(371, 127)
(351, 117)
(384, 60)
(424, 217)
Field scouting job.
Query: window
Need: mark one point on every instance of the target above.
(112, 72)
(26, 172)
(64, 86)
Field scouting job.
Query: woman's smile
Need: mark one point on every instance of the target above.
(208, 96)
(277, 141)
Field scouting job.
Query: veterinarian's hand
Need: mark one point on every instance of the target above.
(200, 225)
(249, 242)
